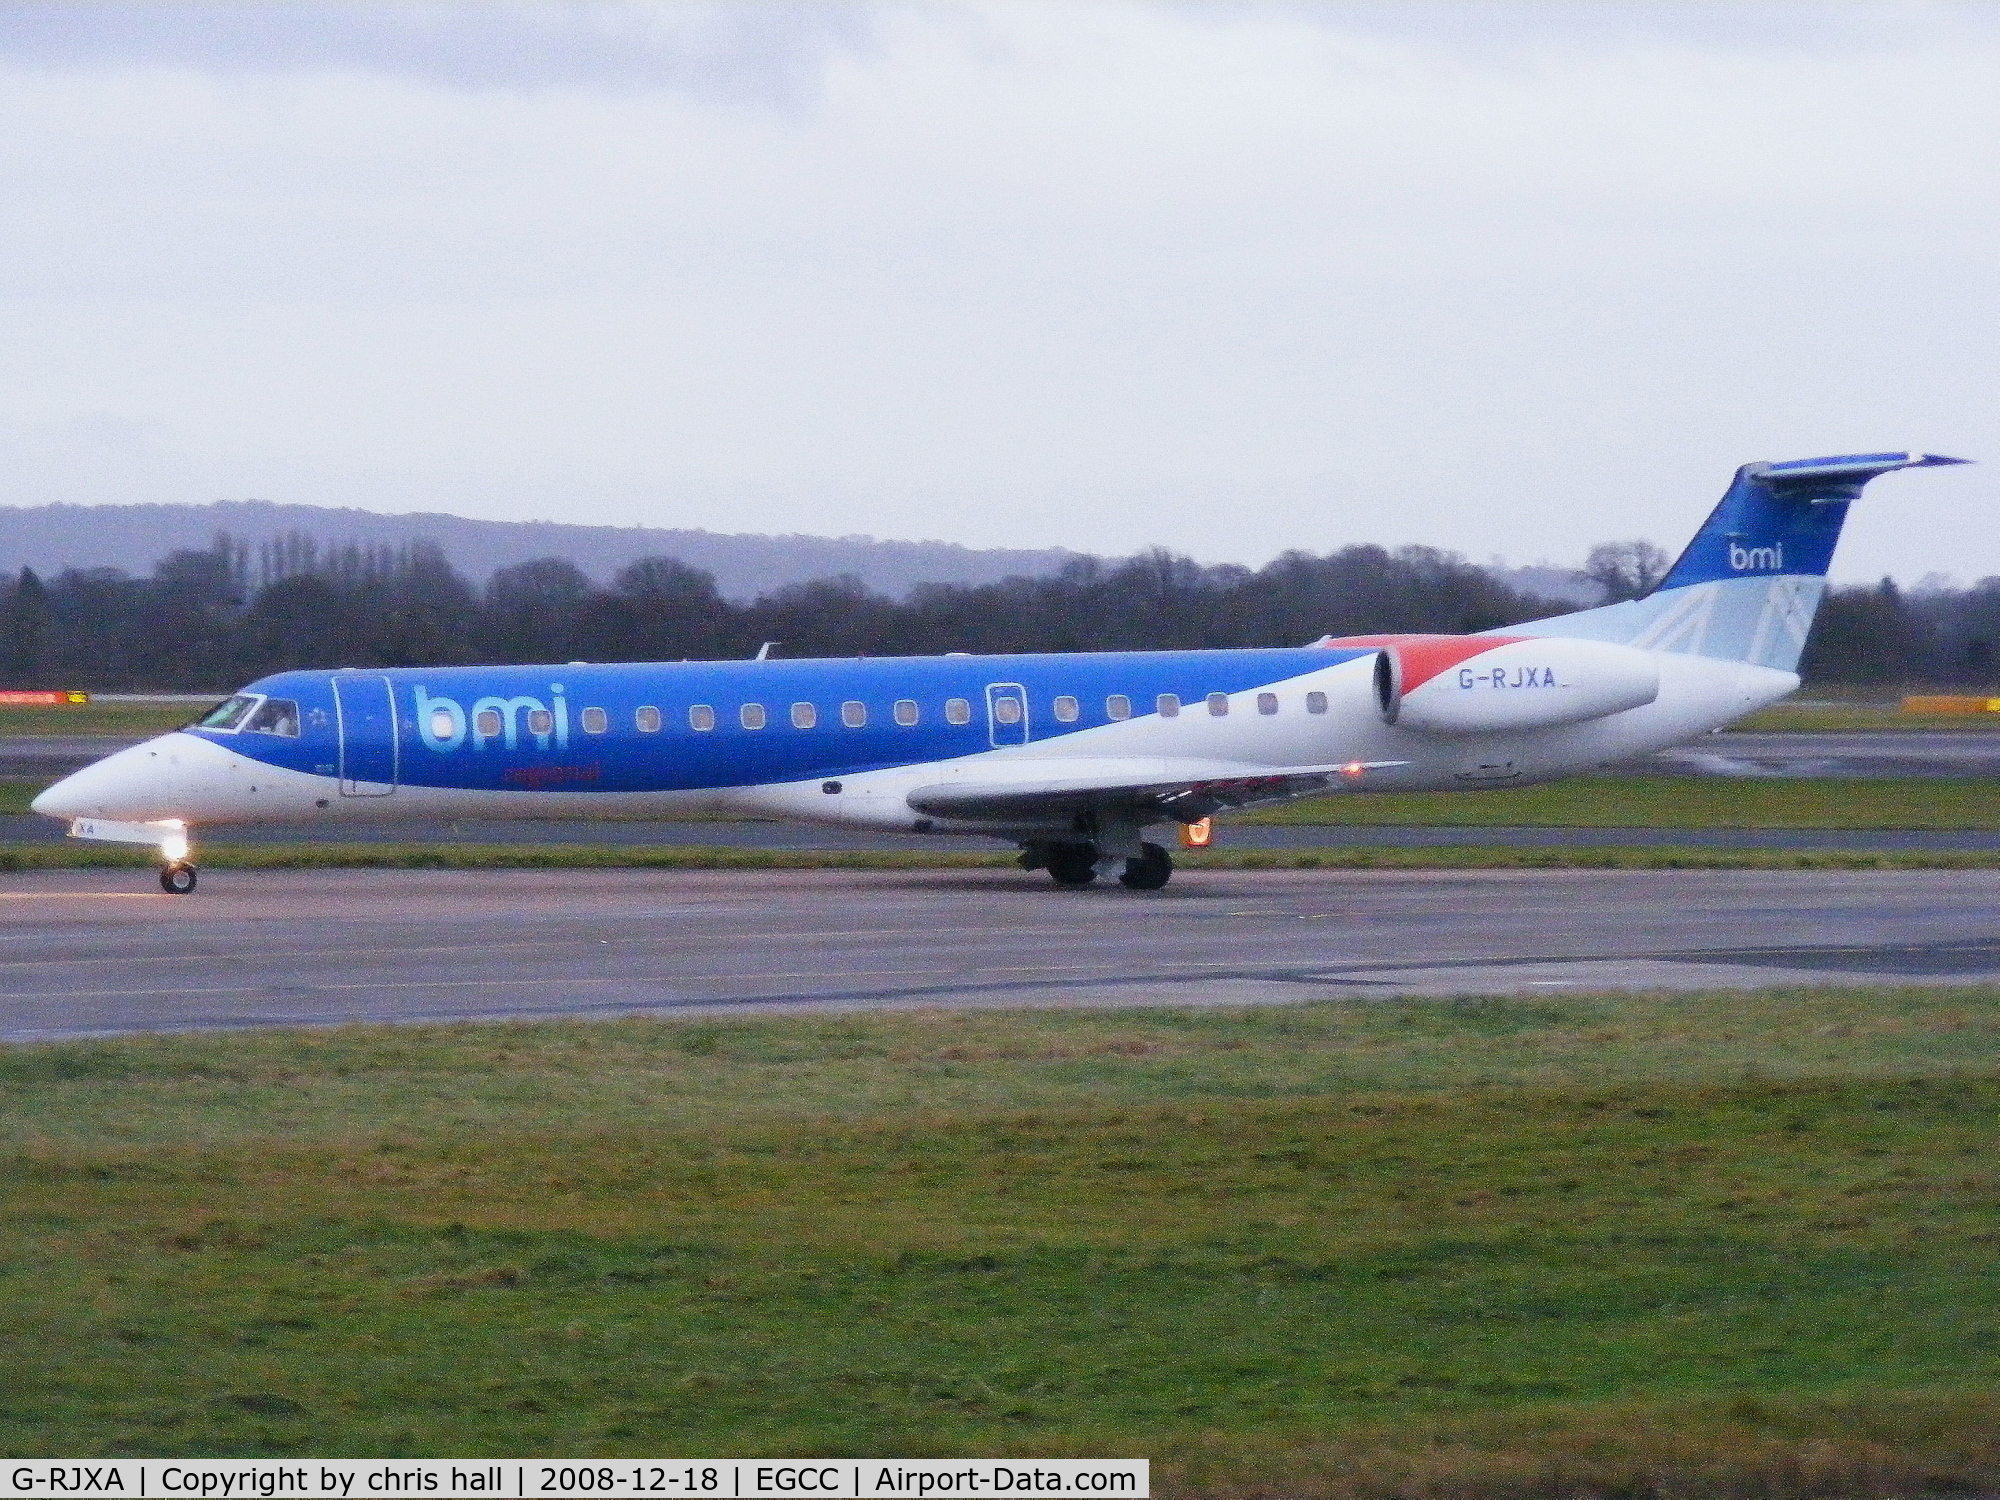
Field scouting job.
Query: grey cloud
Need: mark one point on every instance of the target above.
(1232, 279)
(1495, 27)
(770, 52)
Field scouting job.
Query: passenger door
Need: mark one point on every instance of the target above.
(1006, 713)
(366, 710)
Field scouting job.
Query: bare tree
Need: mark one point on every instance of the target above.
(1626, 570)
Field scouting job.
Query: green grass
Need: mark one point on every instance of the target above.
(101, 718)
(1733, 1244)
(1850, 802)
(1843, 718)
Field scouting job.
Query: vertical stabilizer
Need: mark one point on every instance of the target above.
(1748, 585)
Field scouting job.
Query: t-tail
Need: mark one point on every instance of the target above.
(1748, 585)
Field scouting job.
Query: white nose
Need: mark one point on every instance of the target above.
(163, 778)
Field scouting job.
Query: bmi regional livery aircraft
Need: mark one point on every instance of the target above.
(1073, 757)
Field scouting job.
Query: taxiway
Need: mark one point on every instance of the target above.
(99, 951)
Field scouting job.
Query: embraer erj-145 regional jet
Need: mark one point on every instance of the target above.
(1073, 757)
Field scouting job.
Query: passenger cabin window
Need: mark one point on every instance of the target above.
(1007, 709)
(1218, 704)
(540, 721)
(1315, 703)
(443, 726)
(228, 714)
(1118, 706)
(595, 721)
(487, 722)
(647, 720)
(1267, 703)
(1169, 705)
(1066, 709)
(906, 711)
(853, 714)
(957, 711)
(281, 716)
(804, 716)
(751, 716)
(700, 716)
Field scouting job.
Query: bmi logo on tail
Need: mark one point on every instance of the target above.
(1744, 559)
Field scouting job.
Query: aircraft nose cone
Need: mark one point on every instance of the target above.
(129, 783)
(58, 801)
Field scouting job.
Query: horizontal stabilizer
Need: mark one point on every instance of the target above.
(1856, 469)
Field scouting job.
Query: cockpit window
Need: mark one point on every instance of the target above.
(229, 713)
(275, 716)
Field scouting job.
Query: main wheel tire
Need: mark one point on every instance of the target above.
(1151, 870)
(177, 879)
(1072, 864)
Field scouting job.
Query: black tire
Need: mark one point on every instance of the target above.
(1151, 870)
(177, 879)
(1072, 864)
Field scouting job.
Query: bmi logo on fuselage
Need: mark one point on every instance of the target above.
(444, 724)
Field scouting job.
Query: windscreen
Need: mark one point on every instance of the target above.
(227, 714)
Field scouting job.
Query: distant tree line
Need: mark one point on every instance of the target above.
(208, 620)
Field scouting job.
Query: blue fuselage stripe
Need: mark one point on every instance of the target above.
(440, 743)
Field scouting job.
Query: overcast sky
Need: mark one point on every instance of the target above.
(1231, 278)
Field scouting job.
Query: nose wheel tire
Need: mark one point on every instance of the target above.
(177, 879)
(1151, 870)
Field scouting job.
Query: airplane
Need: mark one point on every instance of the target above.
(1073, 757)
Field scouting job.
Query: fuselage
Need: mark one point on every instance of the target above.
(839, 740)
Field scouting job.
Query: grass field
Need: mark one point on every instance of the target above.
(1843, 718)
(1851, 802)
(100, 718)
(1714, 1245)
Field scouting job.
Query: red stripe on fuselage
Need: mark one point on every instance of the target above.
(1424, 656)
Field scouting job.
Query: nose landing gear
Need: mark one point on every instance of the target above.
(177, 877)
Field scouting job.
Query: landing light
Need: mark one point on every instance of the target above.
(1353, 768)
(174, 846)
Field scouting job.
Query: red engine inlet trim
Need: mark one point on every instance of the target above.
(1423, 657)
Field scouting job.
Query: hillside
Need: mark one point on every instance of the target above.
(50, 538)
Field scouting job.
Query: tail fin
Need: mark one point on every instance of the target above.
(1748, 585)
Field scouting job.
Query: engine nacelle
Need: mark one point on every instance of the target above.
(1464, 685)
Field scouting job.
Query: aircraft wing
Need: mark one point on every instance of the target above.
(1186, 790)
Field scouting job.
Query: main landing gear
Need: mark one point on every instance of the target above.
(177, 877)
(1075, 865)
(1152, 869)
(1072, 864)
